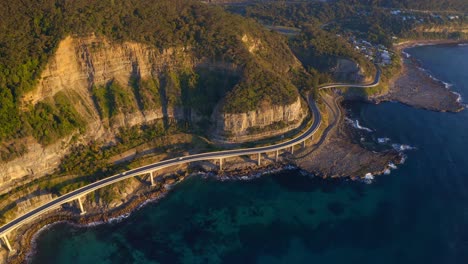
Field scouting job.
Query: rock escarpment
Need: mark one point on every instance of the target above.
(263, 122)
(83, 63)
(112, 85)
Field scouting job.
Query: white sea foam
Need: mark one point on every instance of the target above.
(446, 84)
(403, 159)
(383, 140)
(463, 44)
(392, 166)
(387, 171)
(118, 219)
(407, 55)
(368, 178)
(459, 98)
(425, 44)
(402, 147)
(355, 124)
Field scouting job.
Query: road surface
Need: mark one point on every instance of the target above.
(74, 195)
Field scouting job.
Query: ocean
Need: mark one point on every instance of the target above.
(416, 214)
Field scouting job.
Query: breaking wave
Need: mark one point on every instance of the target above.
(383, 140)
(402, 147)
(446, 84)
(355, 124)
(407, 55)
(460, 99)
(368, 178)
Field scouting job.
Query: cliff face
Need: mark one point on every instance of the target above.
(264, 122)
(81, 63)
(82, 66)
(78, 65)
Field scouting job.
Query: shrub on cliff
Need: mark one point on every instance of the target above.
(31, 31)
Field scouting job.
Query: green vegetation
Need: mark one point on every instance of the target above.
(317, 47)
(202, 97)
(259, 86)
(51, 121)
(275, 126)
(321, 49)
(148, 93)
(93, 158)
(113, 99)
(327, 27)
(369, 19)
(387, 73)
(430, 5)
(33, 30)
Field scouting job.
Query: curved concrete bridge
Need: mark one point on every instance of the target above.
(152, 168)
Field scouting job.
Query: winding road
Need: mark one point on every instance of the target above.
(219, 155)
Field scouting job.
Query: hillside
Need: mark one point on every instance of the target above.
(429, 5)
(81, 71)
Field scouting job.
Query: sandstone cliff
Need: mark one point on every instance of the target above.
(264, 122)
(82, 66)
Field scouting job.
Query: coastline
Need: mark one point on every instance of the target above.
(30, 232)
(417, 87)
(416, 43)
(339, 154)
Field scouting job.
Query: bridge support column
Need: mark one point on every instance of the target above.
(221, 164)
(292, 149)
(81, 206)
(303, 144)
(277, 155)
(259, 161)
(7, 243)
(152, 178)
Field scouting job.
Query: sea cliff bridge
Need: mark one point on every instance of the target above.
(151, 169)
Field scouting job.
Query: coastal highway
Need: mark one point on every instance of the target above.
(218, 155)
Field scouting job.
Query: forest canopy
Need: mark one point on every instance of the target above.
(30, 31)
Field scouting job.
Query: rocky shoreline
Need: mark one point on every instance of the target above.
(416, 43)
(337, 155)
(415, 86)
(28, 233)
(327, 158)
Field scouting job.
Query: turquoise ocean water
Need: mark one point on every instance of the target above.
(417, 214)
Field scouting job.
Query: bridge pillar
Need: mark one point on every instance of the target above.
(259, 161)
(303, 144)
(81, 206)
(7, 243)
(152, 178)
(277, 155)
(221, 164)
(292, 149)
